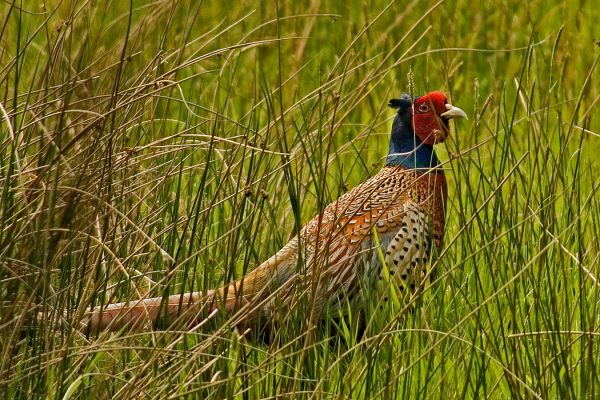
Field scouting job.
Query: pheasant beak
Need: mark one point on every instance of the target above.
(453, 112)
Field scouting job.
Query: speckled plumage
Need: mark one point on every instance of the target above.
(403, 205)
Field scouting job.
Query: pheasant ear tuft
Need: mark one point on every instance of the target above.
(403, 102)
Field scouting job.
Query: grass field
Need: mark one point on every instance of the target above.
(157, 147)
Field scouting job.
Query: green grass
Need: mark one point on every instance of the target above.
(172, 146)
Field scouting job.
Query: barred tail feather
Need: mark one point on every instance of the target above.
(191, 308)
(134, 315)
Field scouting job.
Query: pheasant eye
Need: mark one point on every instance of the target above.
(423, 107)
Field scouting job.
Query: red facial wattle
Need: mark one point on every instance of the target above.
(431, 114)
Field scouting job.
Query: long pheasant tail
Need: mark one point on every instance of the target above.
(193, 308)
(135, 315)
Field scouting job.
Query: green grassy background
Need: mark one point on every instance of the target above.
(160, 147)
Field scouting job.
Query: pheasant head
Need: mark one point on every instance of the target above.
(418, 126)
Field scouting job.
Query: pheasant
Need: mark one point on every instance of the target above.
(401, 209)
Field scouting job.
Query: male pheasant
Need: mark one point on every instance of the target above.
(402, 207)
